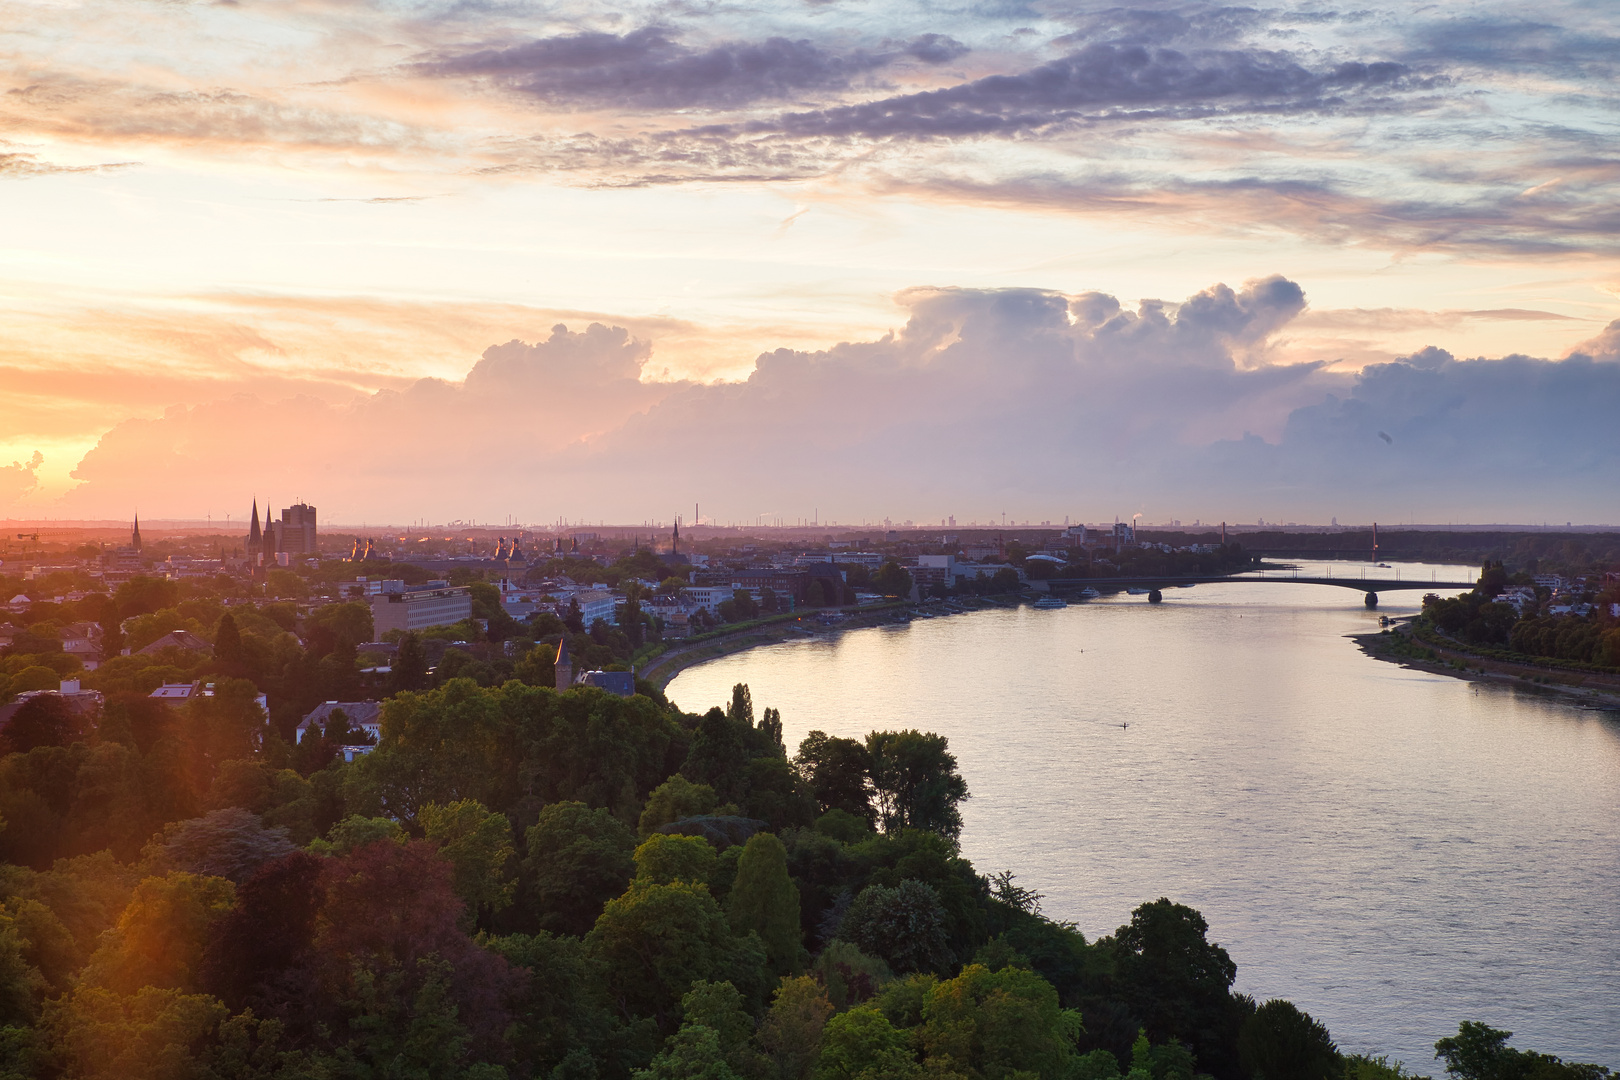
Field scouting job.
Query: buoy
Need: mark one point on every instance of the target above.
(1155, 596)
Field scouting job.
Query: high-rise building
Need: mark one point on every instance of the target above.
(295, 532)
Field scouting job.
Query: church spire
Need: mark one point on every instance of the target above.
(253, 530)
(675, 544)
(135, 538)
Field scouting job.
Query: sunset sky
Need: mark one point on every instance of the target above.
(853, 258)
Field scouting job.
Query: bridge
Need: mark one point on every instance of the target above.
(1370, 587)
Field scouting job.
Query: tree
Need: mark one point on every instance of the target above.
(791, 1032)
(152, 1034)
(773, 792)
(892, 580)
(538, 666)
(763, 899)
(720, 753)
(268, 931)
(1279, 1042)
(862, 1044)
(45, 720)
(1177, 981)
(999, 1023)
(455, 742)
(160, 937)
(410, 668)
(915, 779)
(837, 771)
(674, 799)
(577, 860)
(575, 619)
(564, 1013)
(741, 709)
(663, 859)
(389, 946)
(478, 843)
(904, 926)
(355, 831)
(227, 642)
(144, 595)
(231, 843)
(1480, 1052)
(657, 940)
(692, 1053)
(719, 1007)
(226, 726)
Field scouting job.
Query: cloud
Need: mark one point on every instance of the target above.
(1606, 346)
(651, 68)
(518, 403)
(1103, 79)
(93, 108)
(1513, 432)
(16, 164)
(19, 478)
(1027, 400)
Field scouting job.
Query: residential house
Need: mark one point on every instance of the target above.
(362, 715)
(178, 639)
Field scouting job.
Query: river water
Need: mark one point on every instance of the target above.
(1393, 851)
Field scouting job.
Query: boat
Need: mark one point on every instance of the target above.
(1088, 593)
(1137, 591)
(1048, 602)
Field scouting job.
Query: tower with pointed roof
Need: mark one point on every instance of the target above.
(564, 675)
(267, 545)
(135, 537)
(675, 539)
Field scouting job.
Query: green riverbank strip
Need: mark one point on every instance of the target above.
(1423, 653)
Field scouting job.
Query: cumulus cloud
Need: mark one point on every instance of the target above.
(1019, 399)
(1606, 346)
(19, 478)
(519, 403)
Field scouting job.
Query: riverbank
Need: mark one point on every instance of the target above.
(1396, 646)
(662, 669)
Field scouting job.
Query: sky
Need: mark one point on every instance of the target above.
(841, 260)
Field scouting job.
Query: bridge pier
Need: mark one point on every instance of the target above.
(1372, 600)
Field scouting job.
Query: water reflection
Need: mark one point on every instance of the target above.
(1393, 851)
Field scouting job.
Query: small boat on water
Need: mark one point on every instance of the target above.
(1046, 603)
(1135, 591)
(1088, 593)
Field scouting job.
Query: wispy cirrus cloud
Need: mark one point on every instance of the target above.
(652, 68)
(1105, 80)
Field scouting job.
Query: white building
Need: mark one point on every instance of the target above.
(593, 604)
(419, 607)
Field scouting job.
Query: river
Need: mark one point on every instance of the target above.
(1393, 851)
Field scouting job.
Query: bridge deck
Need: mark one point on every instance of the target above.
(1364, 585)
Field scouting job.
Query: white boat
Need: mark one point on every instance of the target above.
(1047, 602)
(1135, 591)
(1088, 593)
